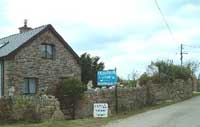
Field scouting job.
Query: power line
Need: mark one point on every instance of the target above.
(165, 20)
(191, 46)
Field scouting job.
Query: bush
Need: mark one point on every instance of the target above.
(25, 109)
(144, 78)
(130, 83)
(166, 72)
(31, 115)
(69, 92)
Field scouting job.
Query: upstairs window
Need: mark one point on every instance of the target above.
(2, 44)
(48, 51)
(29, 86)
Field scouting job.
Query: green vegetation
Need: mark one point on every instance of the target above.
(69, 93)
(129, 83)
(20, 108)
(89, 67)
(90, 122)
(196, 94)
(166, 71)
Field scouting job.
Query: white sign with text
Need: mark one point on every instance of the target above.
(100, 110)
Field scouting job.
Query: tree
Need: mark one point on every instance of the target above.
(69, 92)
(166, 71)
(132, 79)
(89, 67)
(193, 66)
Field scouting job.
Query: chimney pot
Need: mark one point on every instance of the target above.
(25, 28)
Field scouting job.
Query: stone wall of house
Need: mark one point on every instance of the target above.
(28, 63)
(134, 98)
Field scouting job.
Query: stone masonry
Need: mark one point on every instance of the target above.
(134, 98)
(28, 63)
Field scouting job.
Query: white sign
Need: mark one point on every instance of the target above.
(100, 110)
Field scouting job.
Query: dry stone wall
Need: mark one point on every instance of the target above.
(174, 91)
(134, 98)
(128, 99)
(30, 108)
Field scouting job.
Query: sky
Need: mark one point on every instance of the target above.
(126, 34)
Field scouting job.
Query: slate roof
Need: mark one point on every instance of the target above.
(13, 42)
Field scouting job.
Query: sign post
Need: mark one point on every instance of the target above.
(116, 97)
(109, 78)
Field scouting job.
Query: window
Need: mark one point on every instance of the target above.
(48, 51)
(29, 86)
(2, 44)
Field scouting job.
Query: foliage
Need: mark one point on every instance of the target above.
(69, 92)
(89, 67)
(166, 71)
(134, 75)
(129, 83)
(144, 78)
(25, 109)
(19, 108)
(193, 65)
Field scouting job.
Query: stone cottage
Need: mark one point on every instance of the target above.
(35, 60)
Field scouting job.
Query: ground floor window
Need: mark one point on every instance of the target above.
(29, 85)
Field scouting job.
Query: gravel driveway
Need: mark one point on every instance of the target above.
(184, 114)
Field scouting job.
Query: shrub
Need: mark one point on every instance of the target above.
(69, 92)
(144, 78)
(129, 83)
(166, 72)
(31, 115)
(25, 109)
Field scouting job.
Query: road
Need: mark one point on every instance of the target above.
(184, 114)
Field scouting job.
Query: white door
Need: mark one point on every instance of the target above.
(1, 77)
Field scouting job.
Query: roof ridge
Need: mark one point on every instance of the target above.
(24, 32)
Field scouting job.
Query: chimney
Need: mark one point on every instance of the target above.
(25, 28)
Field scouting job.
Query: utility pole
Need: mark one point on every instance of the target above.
(182, 53)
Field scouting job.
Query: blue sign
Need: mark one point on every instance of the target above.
(106, 78)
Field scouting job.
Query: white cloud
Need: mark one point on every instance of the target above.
(147, 39)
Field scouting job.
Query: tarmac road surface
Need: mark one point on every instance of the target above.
(183, 114)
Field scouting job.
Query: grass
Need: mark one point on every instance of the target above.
(196, 94)
(90, 122)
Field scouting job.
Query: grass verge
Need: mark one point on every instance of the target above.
(196, 94)
(90, 122)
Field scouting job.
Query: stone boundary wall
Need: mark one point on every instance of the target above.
(30, 108)
(176, 91)
(134, 98)
(128, 99)
(48, 107)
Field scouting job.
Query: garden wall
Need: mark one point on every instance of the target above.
(41, 108)
(134, 98)
(30, 108)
